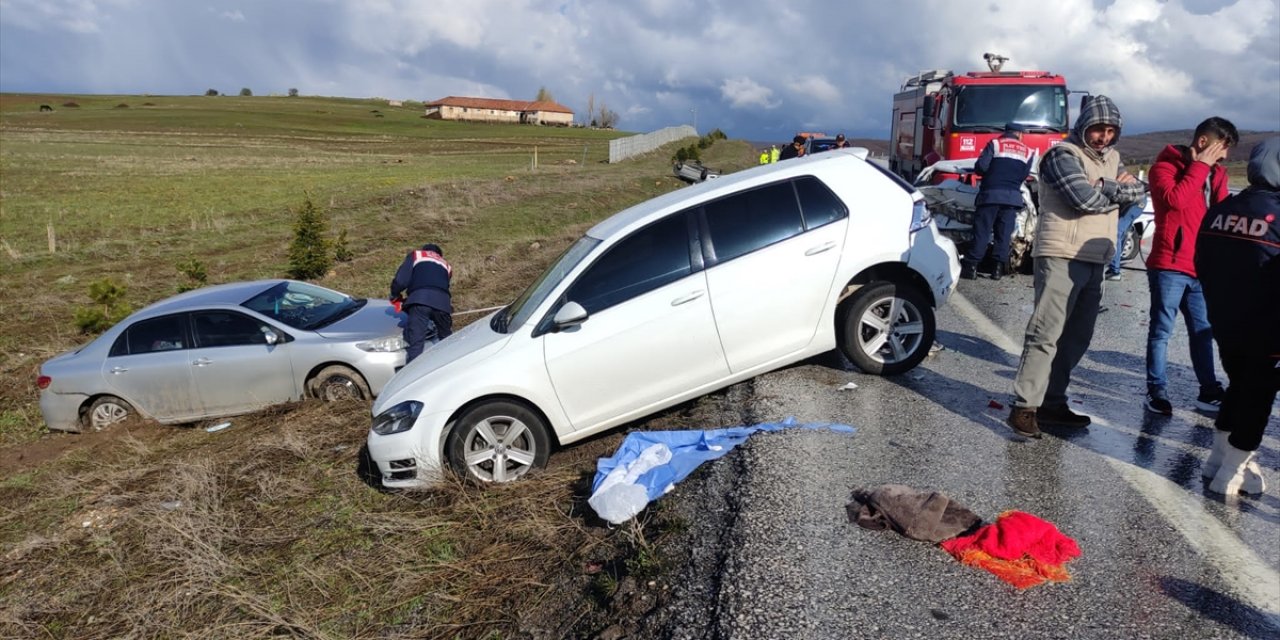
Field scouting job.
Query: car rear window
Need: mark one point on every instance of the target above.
(742, 223)
(149, 336)
(818, 204)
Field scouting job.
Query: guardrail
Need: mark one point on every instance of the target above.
(622, 148)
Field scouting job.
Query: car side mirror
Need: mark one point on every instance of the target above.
(570, 315)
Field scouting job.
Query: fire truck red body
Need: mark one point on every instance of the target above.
(939, 115)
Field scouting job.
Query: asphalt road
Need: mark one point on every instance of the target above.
(771, 553)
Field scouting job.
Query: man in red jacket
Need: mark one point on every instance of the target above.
(1185, 182)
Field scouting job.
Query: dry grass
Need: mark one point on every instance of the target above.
(268, 528)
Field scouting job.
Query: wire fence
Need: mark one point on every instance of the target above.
(622, 148)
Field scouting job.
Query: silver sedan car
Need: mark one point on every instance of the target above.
(225, 350)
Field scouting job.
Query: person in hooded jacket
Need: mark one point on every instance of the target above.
(1082, 186)
(423, 281)
(1238, 262)
(1185, 182)
(1004, 165)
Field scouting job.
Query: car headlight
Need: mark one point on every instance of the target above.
(920, 216)
(383, 345)
(398, 418)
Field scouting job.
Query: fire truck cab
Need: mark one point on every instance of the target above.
(939, 115)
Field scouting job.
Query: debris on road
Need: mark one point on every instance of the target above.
(994, 405)
(920, 515)
(849, 387)
(648, 464)
(1019, 548)
(218, 427)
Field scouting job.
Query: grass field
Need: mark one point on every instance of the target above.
(266, 529)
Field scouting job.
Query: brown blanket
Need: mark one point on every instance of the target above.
(919, 515)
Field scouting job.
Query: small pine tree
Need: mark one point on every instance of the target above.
(246, 92)
(309, 253)
(110, 307)
(293, 93)
(682, 154)
(692, 152)
(341, 250)
(197, 275)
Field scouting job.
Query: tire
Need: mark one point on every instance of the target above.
(1132, 243)
(107, 411)
(336, 382)
(498, 441)
(886, 328)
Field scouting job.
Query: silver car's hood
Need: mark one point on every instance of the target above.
(477, 340)
(377, 318)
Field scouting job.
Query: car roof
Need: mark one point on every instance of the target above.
(722, 186)
(233, 293)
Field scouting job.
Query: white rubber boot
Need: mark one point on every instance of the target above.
(1230, 477)
(1254, 483)
(1210, 467)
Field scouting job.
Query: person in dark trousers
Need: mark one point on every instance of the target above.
(793, 150)
(1238, 262)
(1082, 185)
(1004, 165)
(423, 281)
(1185, 181)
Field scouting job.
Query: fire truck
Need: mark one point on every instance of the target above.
(941, 115)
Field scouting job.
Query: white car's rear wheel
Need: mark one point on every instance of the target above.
(498, 441)
(886, 328)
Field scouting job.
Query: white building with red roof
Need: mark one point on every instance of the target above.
(495, 110)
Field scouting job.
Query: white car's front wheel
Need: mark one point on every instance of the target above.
(498, 441)
(886, 328)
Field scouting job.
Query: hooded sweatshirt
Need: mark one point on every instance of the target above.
(1077, 216)
(1182, 190)
(1237, 258)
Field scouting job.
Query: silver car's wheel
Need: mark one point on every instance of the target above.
(887, 328)
(336, 382)
(107, 411)
(498, 442)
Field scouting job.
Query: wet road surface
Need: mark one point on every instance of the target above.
(772, 555)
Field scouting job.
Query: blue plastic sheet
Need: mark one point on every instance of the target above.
(650, 463)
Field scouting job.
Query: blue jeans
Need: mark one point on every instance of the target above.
(1126, 220)
(1172, 291)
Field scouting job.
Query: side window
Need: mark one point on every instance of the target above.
(748, 221)
(819, 205)
(227, 329)
(149, 336)
(650, 258)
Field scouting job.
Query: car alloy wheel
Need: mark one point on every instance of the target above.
(498, 442)
(887, 328)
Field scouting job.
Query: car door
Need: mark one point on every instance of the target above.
(149, 366)
(234, 367)
(770, 267)
(650, 334)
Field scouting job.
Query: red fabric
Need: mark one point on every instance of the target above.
(1177, 196)
(1018, 548)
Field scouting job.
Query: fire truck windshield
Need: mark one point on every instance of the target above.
(990, 107)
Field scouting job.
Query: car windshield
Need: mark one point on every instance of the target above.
(303, 306)
(518, 313)
(991, 107)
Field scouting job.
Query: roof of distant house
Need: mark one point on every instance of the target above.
(505, 105)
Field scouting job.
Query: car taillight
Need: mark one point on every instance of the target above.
(43, 382)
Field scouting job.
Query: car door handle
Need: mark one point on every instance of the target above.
(688, 298)
(118, 369)
(202, 362)
(826, 246)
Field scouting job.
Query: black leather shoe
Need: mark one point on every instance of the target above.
(998, 272)
(968, 271)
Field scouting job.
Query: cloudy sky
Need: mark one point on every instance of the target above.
(758, 69)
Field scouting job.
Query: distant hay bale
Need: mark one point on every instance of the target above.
(122, 106)
(148, 104)
(70, 105)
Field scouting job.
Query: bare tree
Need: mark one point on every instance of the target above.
(544, 95)
(608, 117)
(591, 109)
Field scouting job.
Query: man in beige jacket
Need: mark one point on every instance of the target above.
(1082, 186)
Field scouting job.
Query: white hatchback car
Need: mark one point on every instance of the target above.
(668, 300)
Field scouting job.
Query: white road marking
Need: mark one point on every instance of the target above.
(1248, 575)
